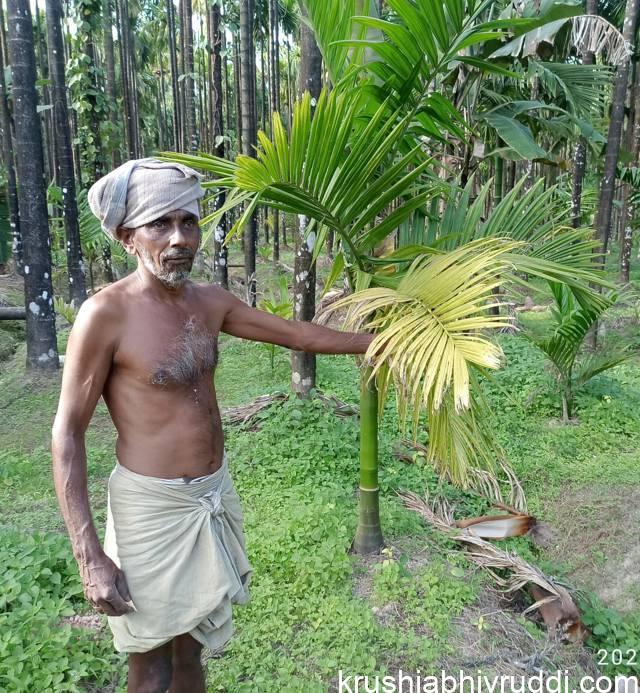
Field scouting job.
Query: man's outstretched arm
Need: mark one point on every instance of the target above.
(87, 363)
(241, 320)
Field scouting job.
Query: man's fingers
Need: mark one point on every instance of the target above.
(106, 607)
(120, 605)
(121, 586)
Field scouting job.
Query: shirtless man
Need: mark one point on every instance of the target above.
(174, 558)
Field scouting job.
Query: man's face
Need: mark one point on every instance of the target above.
(166, 246)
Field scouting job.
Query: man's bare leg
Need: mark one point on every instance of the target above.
(188, 676)
(150, 672)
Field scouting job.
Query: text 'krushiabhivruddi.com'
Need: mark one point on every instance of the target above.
(447, 682)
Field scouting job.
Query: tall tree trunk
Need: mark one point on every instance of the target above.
(191, 137)
(8, 159)
(237, 89)
(64, 153)
(249, 136)
(220, 250)
(368, 537)
(630, 207)
(110, 78)
(303, 365)
(42, 352)
(133, 81)
(263, 85)
(607, 183)
(173, 62)
(580, 156)
(45, 116)
(125, 77)
(274, 95)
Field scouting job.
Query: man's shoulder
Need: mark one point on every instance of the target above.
(212, 293)
(105, 305)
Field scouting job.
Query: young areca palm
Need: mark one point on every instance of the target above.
(428, 305)
(563, 346)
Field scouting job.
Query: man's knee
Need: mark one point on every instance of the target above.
(186, 651)
(150, 672)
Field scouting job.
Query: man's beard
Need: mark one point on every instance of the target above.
(171, 278)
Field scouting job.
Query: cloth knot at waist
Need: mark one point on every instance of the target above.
(212, 502)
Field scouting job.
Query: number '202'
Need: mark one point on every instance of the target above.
(617, 657)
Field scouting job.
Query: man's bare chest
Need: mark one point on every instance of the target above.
(170, 350)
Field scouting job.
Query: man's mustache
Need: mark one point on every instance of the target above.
(184, 255)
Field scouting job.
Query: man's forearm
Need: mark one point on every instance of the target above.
(323, 340)
(70, 480)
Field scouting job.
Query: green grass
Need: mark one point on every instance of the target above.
(315, 608)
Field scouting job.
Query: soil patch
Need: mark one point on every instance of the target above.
(597, 540)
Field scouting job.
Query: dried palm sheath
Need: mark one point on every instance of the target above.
(246, 412)
(552, 600)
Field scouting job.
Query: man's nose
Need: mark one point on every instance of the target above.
(178, 236)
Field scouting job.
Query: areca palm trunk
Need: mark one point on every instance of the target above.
(110, 75)
(191, 137)
(249, 134)
(8, 158)
(274, 94)
(42, 352)
(64, 154)
(303, 365)
(220, 250)
(607, 183)
(368, 537)
(173, 62)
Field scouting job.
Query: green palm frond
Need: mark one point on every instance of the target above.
(593, 364)
(461, 444)
(333, 21)
(572, 323)
(347, 187)
(429, 330)
(538, 219)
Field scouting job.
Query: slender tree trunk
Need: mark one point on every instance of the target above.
(133, 81)
(110, 78)
(220, 250)
(237, 72)
(227, 88)
(368, 537)
(607, 183)
(263, 85)
(191, 136)
(173, 62)
(8, 159)
(64, 154)
(45, 116)
(42, 350)
(580, 156)
(289, 85)
(125, 77)
(303, 365)
(274, 94)
(249, 135)
(632, 144)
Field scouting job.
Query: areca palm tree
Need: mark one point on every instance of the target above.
(428, 304)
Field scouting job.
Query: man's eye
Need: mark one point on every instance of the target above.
(158, 224)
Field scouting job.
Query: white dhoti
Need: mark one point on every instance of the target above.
(181, 548)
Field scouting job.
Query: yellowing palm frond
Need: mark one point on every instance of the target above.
(430, 327)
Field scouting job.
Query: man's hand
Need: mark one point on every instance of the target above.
(105, 587)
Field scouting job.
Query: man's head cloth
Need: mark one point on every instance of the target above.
(142, 190)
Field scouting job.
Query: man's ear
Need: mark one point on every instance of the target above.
(125, 236)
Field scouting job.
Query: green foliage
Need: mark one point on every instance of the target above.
(614, 637)
(563, 346)
(39, 586)
(277, 303)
